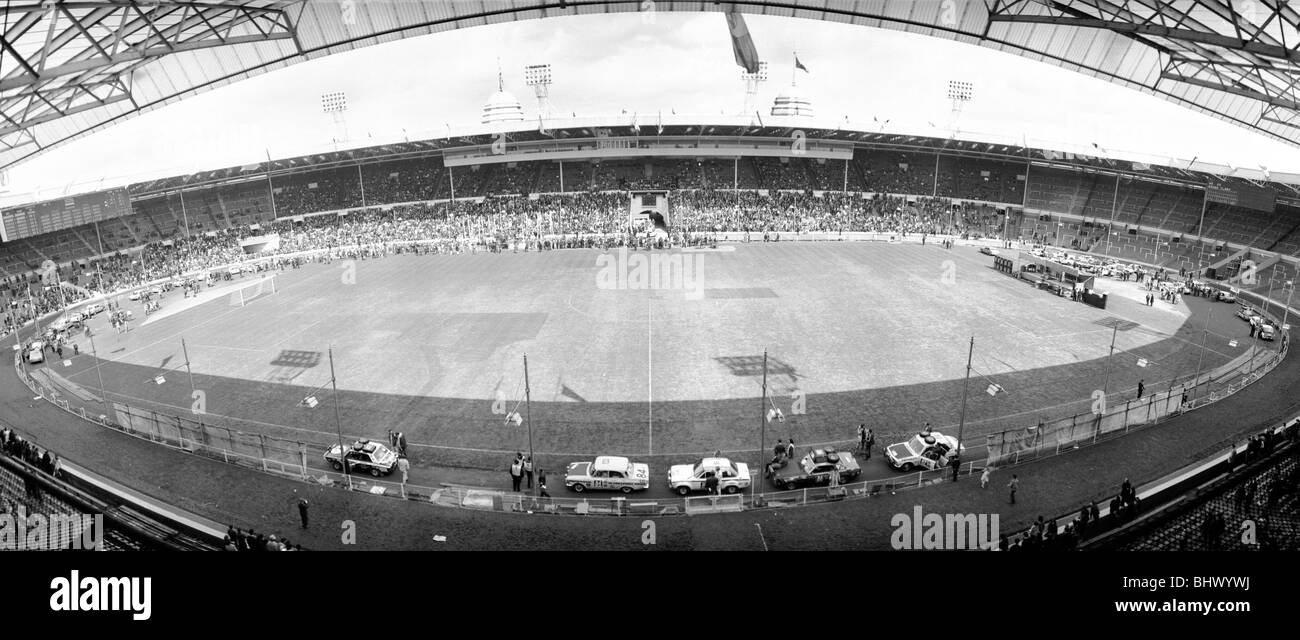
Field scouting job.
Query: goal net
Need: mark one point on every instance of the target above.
(251, 291)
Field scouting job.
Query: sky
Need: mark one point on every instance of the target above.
(604, 64)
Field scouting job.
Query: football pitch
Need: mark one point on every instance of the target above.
(659, 358)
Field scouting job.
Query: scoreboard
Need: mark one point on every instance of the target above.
(1248, 196)
(54, 215)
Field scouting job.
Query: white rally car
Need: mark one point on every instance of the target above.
(365, 456)
(610, 473)
(732, 476)
(924, 451)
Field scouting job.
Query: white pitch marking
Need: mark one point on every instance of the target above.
(649, 355)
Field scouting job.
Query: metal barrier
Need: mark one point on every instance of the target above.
(1051, 438)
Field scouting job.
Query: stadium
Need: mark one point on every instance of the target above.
(661, 288)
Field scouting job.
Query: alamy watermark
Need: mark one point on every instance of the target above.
(75, 593)
(627, 270)
(20, 531)
(944, 531)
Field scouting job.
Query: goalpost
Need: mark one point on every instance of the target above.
(252, 291)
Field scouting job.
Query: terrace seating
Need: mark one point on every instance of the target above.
(411, 180)
(1160, 206)
(1088, 195)
(311, 192)
(981, 179)
(896, 171)
(1268, 497)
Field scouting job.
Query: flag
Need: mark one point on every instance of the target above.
(661, 123)
(742, 44)
(799, 65)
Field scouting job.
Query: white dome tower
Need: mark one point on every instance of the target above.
(792, 102)
(502, 106)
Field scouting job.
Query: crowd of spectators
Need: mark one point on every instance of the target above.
(497, 223)
(1043, 535)
(14, 446)
(250, 540)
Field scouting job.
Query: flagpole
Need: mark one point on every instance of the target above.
(1105, 385)
(528, 410)
(338, 422)
(95, 353)
(762, 416)
(186, 352)
(270, 190)
(1204, 334)
(961, 425)
(762, 406)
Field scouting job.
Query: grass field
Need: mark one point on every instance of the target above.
(855, 332)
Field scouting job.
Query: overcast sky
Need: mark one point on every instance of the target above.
(604, 64)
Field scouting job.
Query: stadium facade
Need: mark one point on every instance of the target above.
(1173, 216)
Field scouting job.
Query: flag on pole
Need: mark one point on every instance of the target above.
(799, 65)
(661, 122)
(742, 44)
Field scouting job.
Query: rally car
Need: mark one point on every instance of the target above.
(365, 456)
(816, 468)
(610, 473)
(37, 353)
(987, 251)
(1268, 331)
(1225, 296)
(732, 476)
(1247, 314)
(925, 451)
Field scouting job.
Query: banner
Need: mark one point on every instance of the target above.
(741, 42)
(258, 244)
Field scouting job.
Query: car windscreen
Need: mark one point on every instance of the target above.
(915, 445)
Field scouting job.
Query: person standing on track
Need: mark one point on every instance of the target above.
(517, 470)
(302, 511)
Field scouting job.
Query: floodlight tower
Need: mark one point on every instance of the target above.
(335, 104)
(538, 76)
(752, 81)
(959, 92)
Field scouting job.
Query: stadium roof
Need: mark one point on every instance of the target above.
(69, 68)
